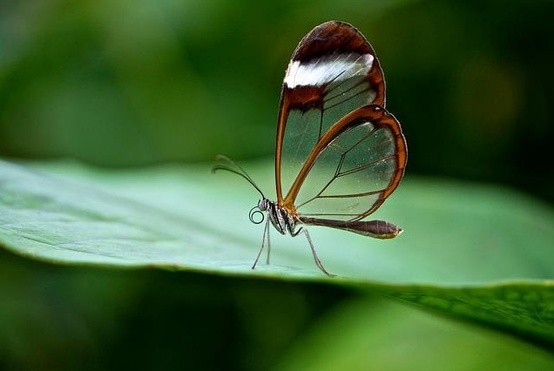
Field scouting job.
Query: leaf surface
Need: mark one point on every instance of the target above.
(479, 253)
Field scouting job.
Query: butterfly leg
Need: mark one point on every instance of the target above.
(266, 233)
(268, 243)
(316, 258)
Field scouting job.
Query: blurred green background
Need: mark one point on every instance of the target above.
(138, 83)
(133, 83)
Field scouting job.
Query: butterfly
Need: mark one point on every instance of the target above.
(339, 153)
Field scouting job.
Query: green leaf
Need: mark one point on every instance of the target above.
(474, 252)
(364, 334)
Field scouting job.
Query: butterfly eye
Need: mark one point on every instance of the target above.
(264, 204)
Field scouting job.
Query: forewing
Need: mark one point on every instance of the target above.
(333, 71)
(352, 169)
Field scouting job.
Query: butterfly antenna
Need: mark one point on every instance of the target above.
(229, 165)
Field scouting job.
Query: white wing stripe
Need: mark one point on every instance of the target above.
(323, 70)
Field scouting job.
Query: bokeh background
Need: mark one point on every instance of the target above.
(139, 83)
(119, 83)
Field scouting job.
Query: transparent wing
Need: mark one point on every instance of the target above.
(333, 71)
(352, 169)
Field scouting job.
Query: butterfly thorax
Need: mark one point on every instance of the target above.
(280, 218)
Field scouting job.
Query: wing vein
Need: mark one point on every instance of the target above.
(366, 166)
(349, 98)
(327, 98)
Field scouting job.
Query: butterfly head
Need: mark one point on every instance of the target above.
(263, 204)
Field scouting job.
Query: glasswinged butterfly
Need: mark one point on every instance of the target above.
(339, 154)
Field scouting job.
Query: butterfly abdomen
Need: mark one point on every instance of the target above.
(371, 228)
